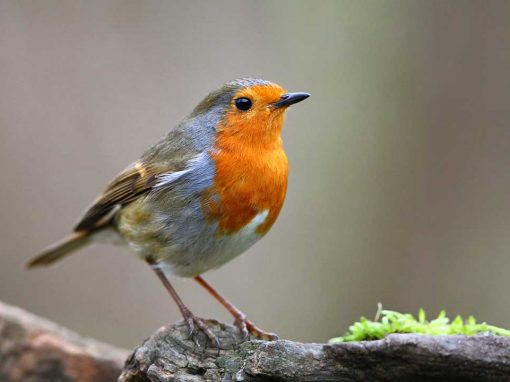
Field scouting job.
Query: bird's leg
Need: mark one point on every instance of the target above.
(188, 316)
(240, 320)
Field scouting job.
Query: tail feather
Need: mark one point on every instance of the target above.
(60, 249)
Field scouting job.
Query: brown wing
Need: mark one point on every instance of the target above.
(136, 180)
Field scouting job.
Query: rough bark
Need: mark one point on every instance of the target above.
(170, 355)
(33, 349)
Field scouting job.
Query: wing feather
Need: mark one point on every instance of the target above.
(158, 168)
(136, 180)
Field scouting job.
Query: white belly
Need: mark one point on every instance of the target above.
(211, 251)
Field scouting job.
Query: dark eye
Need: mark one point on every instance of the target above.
(243, 103)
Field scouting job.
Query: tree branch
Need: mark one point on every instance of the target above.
(33, 349)
(169, 355)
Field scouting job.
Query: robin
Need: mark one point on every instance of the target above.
(199, 197)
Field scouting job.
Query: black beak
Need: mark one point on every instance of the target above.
(290, 99)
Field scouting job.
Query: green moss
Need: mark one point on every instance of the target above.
(388, 322)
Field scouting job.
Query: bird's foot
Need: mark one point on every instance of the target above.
(196, 324)
(247, 327)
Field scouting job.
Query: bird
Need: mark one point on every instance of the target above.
(206, 192)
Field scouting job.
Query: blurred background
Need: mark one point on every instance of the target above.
(399, 187)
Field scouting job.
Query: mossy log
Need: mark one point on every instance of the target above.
(36, 350)
(171, 355)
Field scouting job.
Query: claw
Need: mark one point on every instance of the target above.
(193, 322)
(188, 318)
(241, 325)
(246, 327)
(207, 331)
(259, 333)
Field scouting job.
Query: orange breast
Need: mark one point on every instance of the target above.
(251, 176)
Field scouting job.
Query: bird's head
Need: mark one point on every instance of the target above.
(252, 110)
